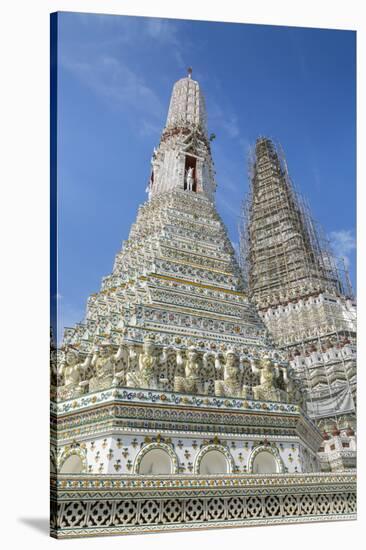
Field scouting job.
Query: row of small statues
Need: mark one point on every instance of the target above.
(102, 368)
(309, 333)
(299, 291)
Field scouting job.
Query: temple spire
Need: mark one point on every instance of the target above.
(183, 158)
(187, 104)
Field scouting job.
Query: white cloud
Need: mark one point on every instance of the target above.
(230, 124)
(128, 29)
(343, 243)
(111, 79)
(148, 128)
(115, 79)
(227, 183)
(162, 30)
(316, 175)
(232, 208)
(246, 146)
(220, 118)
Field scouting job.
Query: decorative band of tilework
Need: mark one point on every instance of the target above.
(83, 506)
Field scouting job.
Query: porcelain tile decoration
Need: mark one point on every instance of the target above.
(188, 399)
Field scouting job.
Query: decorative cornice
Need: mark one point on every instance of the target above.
(116, 481)
(121, 395)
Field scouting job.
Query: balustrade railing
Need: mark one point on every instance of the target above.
(90, 505)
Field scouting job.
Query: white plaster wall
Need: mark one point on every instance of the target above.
(117, 454)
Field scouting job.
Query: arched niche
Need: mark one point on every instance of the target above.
(214, 459)
(265, 460)
(265, 463)
(214, 462)
(73, 461)
(156, 459)
(72, 465)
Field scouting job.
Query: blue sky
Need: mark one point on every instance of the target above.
(115, 78)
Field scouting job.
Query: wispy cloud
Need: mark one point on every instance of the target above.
(233, 208)
(231, 174)
(227, 184)
(343, 243)
(103, 67)
(230, 125)
(124, 29)
(224, 119)
(163, 30)
(112, 79)
(148, 128)
(316, 174)
(246, 146)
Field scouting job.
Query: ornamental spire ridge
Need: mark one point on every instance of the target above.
(187, 105)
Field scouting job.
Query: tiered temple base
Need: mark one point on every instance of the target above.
(110, 435)
(115, 430)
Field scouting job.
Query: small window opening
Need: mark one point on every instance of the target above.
(190, 177)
